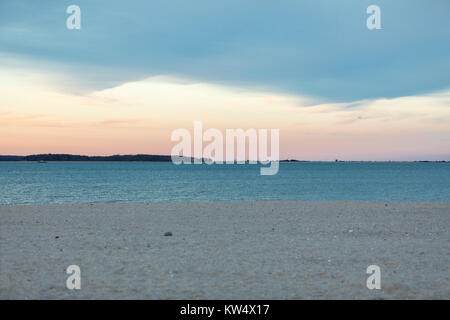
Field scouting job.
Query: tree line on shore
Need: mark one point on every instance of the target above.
(71, 157)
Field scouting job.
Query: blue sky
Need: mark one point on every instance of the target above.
(320, 49)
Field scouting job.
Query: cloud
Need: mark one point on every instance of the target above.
(138, 117)
(318, 49)
(29, 121)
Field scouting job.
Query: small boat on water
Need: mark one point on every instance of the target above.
(42, 161)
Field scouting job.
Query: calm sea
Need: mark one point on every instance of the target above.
(83, 182)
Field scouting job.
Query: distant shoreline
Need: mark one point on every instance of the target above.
(157, 158)
(70, 157)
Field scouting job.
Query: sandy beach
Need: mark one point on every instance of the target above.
(226, 250)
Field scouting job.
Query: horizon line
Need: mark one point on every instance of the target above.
(169, 156)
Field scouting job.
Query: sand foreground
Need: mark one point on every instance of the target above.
(226, 250)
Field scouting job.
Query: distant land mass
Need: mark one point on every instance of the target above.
(140, 157)
(11, 158)
(72, 157)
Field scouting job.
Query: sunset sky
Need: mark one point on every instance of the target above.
(312, 69)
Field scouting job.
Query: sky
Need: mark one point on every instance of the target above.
(136, 71)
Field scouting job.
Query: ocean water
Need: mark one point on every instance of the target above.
(90, 182)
